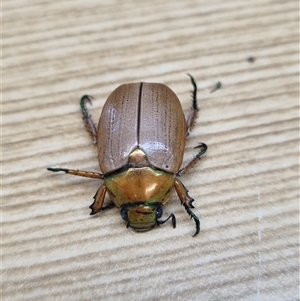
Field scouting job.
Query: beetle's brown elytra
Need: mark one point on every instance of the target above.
(141, 138)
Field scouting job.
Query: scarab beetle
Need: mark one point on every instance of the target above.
(141, 138)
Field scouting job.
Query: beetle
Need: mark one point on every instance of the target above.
(141, 139)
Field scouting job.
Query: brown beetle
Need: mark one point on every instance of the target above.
(141, 139)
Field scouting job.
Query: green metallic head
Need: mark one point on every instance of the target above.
(143, 216)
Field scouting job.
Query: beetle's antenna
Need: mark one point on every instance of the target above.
(110, 205)
(170, 216)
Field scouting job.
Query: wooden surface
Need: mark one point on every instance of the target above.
(245, 187)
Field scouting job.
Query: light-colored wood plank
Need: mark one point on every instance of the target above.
(246, 187)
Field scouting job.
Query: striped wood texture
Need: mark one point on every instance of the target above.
(245, 187)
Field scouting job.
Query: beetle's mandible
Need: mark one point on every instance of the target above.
(141, 138)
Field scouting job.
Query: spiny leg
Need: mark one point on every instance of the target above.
(196, 159)
(87, 118)
(194, 109)
(186, 201)
(80, 173)
(99, 200)
(100, 194)
(195, 217)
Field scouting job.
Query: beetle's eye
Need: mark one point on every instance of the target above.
(159, 212)
(124, 214)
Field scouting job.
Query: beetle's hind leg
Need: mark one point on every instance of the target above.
(87, 118)
(194, 109)
(196, 159)
(186, 201)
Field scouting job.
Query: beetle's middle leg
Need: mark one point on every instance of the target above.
(80, 173)
(87, 118)
(185, 169)
(194, 109)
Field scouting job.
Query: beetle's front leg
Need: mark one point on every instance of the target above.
(87, 118)
(99, 200)
(183, 195)
(186, 201)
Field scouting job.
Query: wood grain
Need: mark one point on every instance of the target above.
(246, 187)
